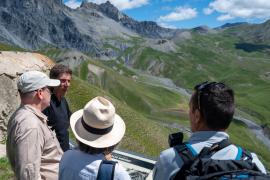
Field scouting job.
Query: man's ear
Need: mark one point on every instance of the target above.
(39, 94)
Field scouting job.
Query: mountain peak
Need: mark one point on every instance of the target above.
(202, 29)
(89, 5)
(108, 3)
(111, 11)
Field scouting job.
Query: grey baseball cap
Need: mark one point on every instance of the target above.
(33, 80)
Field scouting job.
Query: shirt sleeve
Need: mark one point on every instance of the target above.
(28, 155)
(158, 170)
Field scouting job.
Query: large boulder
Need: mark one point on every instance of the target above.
(12, 65)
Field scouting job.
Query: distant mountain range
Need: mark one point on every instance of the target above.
(35, 24)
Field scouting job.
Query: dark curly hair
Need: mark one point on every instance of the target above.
(59, 69)
(215, 101)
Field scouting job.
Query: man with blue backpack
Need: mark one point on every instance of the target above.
(208, 154)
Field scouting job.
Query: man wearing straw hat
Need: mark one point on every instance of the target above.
(98, 130)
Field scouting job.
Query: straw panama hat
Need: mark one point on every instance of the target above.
(97, 125)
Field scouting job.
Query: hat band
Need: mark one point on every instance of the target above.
(95, 130)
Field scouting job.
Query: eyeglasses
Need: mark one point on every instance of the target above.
(201, 87)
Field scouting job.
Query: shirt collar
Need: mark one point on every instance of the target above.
(55, 99)
(38, 113)
(210, 136)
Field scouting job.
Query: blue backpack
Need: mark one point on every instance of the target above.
(202, 167)
(106, 170)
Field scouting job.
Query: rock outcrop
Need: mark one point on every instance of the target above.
(12, 65)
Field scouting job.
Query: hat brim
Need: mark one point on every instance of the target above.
(95, 140)
(53, 83)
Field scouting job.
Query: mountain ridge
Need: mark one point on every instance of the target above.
(33, 24)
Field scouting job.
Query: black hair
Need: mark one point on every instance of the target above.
(59, 69)
(91, 150)
(215, 101)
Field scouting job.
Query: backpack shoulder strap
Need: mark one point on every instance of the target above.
(106, 170)
(214, 148)
(186, 152)
(246, 155)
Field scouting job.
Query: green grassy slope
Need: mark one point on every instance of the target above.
(155, 103)
(143, 135)
(5, 47)
(243, 137)
(215, 58)
(149, 102)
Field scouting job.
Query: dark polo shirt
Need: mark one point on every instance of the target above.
(58, 114)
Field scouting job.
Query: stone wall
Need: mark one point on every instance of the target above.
(12, 65)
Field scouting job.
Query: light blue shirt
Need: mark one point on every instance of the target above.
(170, 162)
(77, 165)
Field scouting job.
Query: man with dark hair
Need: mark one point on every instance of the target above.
(32, 148)
(58, 112)
(211, 112)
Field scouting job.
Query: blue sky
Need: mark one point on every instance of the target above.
(190, 13)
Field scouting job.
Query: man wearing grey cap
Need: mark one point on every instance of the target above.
(32, 148)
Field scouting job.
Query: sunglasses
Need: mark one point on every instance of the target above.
(200, 88)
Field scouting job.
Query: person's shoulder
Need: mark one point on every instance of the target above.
(71, 152)
(167, 155)
(77, 154)
(26, 118)
(168, 152)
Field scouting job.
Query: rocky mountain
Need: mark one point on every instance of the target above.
(32, 24)
(35, 24)
(145, 28)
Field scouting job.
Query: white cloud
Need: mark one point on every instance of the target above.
(73, 4)
(247, 9)
(165, 25)
(208, 11)
(180, 13)
(225, 17)
(123, 4)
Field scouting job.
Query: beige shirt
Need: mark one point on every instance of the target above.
(32, 148)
